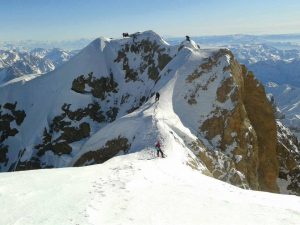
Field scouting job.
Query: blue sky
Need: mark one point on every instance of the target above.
(73, 19)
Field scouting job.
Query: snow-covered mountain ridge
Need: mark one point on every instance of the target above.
(99, 104)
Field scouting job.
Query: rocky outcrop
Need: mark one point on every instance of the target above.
(98, 87)
(239, 132)
(153, 56)
(9, 115)
(10, 120)
(109, 150)
(262, 118)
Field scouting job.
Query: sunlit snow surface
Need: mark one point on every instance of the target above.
(131, 190)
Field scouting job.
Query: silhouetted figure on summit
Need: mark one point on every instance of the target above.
(187, 38)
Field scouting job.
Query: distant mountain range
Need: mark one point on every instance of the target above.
(280, 41)
(290, 41)
(28, 45)
(14, 64)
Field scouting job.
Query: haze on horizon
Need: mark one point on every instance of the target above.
(55, 20)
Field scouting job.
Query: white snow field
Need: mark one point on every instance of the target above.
(127, 190)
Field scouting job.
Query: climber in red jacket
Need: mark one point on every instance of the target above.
(158, 149)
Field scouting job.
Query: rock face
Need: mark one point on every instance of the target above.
(10, 119)
(109, 150)
(262, 118)
(97, 105)
(238, 128)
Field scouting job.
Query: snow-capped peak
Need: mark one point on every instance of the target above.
(99, 43)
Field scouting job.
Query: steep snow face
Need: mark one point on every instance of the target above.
(105, 81)
(130, 190)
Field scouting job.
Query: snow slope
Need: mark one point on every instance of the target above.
(47, 94)
(128, 190)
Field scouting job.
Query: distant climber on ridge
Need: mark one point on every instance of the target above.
(157, 95)
(158, 149)
(187, 38)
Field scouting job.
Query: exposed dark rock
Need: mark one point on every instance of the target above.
(78, 84)
(147, 51)
(10, 106)
(100, 87)
(33, 164)
(110, 149)
(7, 118)
(264, 124)
(19, 116)
(61, 148)
(112, 113)
(3, 152)
(67, 124)
(73, 134)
